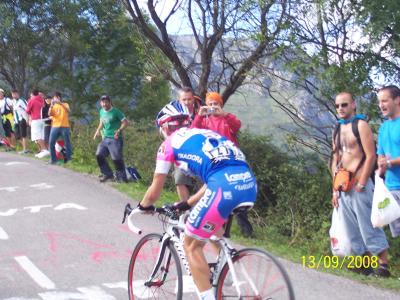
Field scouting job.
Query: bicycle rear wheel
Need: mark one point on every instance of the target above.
(167, 282)
(260, 276)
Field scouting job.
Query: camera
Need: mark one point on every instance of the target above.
(211, 110)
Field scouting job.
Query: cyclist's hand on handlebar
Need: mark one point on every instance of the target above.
(148, 209)
(181, 206)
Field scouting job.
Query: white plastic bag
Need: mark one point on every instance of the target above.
(340, 243)
(385, 208)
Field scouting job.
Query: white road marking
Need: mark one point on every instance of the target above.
(117, 285)
(3, 234)
(69, 205)
(37, 275)
(41, 186)
(9, 188)
(13, 163)
(37, 208)
(9, 212)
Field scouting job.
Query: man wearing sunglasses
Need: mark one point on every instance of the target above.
(357, 156)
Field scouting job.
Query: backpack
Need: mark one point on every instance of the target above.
(132, 174)
(356, 132)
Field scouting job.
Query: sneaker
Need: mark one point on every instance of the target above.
(361, 271)
(104, 178)
(381, 271)
(43, 153)
(23, 152)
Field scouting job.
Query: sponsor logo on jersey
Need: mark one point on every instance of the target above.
(243, 187)
(227, 195)
(195, 217)
(209, 227)
(192, 157)
(238, 177)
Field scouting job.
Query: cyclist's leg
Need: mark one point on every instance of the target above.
(197, 262)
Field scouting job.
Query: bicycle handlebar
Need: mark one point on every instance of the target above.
(130, 212)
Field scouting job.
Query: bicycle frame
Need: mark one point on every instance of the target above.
(173, 235)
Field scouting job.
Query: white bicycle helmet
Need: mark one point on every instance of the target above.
(173, 114)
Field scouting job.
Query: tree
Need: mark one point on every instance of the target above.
(22, 36)
(380, 21)
(83, 48)
(325, 53)
(231, 36)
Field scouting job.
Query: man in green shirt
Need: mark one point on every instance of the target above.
(112, 123)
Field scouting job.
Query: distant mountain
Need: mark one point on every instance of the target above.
(253, 105)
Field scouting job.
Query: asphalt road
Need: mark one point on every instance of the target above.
(61, 238)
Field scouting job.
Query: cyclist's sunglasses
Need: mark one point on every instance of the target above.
(341, 105)
(178, 123)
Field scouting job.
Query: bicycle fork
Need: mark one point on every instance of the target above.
(161, 253)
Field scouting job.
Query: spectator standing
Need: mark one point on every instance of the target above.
(388, 145)
(213, 117)
(20, 120)
(183, 182)
(60, 127)
(34, 110)
(356, 202)
(6, 111)
(46, 119)
(112, 123)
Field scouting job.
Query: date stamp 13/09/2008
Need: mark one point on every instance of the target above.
(337, 262)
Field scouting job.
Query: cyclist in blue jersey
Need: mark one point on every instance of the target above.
(229, 183)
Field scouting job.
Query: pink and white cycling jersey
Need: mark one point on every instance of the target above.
(198, 152)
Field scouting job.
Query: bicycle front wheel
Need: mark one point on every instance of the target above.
(259, 276)
(167, 280)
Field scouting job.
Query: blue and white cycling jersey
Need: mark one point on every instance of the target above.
(221, 165)
(198, 152)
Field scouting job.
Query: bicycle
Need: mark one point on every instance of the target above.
(155, 269)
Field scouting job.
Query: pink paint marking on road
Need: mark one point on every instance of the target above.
(54, 238)
(99, 256)
(124, 228)
(97, 252)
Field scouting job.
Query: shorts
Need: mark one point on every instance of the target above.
(8, 131)
(226, 189)
(37, 130)
(182, 179)
(21, 129)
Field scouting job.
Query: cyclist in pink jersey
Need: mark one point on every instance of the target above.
(229, 183)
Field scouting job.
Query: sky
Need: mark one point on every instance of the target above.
(177, 24)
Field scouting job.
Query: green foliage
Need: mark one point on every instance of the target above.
(83, 48)
(293, 192)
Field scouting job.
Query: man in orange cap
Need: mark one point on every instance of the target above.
(213, 117)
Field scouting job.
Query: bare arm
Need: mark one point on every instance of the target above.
(124, 124)
(154, 191)
(368, 144)
(334, 162)
(384, 163)
(98, 130)
(196, 197)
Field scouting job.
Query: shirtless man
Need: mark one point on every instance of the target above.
(356, 203)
